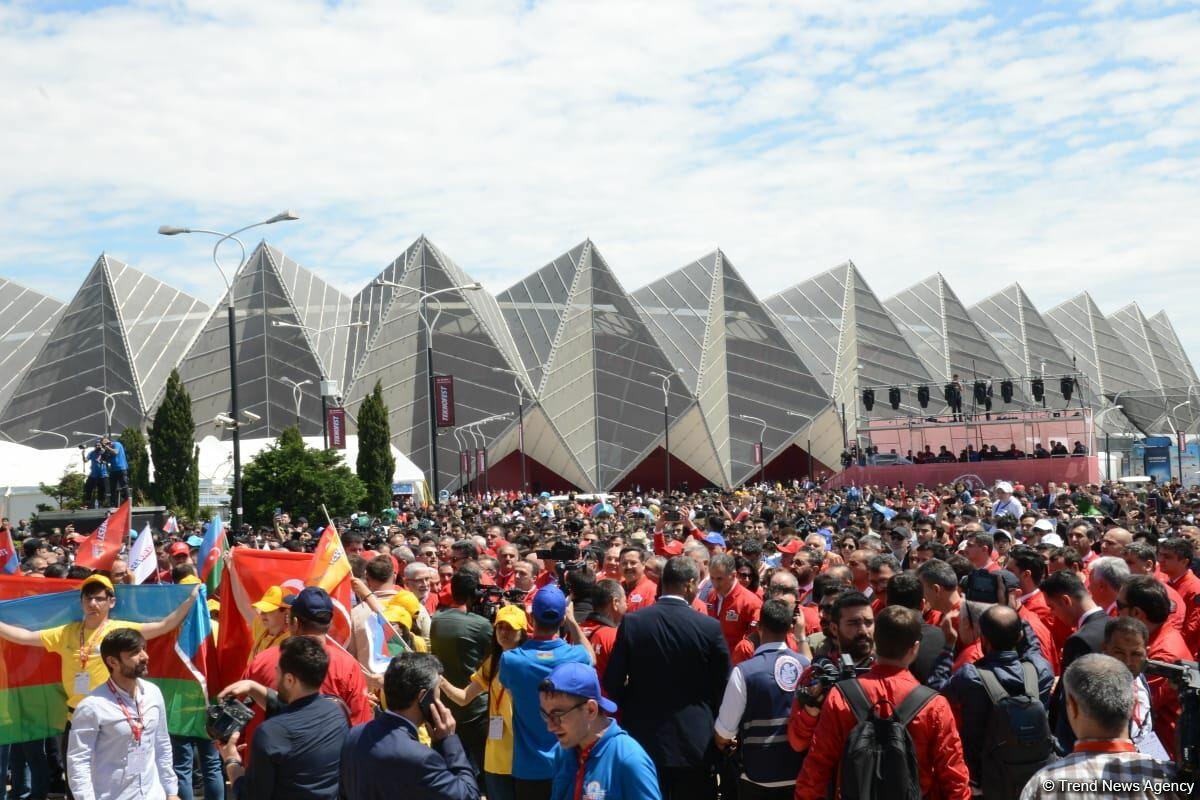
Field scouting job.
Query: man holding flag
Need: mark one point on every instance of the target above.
(10, 559)
(211, 559)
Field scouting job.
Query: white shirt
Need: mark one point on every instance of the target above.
(1011, 507)
(104, 762)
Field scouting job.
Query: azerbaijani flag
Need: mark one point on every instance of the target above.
(10, 559)
(212, 555)
(33, 704)
(383, 641)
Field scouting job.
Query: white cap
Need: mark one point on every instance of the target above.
(1052, 539)
(1004, 486)
(1044, 525)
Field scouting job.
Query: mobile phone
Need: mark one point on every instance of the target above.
(426, 705)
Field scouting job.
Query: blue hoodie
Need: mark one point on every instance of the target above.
(617, 769)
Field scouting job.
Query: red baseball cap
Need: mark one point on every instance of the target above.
(179, 549)
(791, 547)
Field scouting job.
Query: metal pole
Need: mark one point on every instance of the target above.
(808, 458)
(521, 431)
(236, 427)
(762, 461)
(324, 418)
(433, 455)
(667, 445)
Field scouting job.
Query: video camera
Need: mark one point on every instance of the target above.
(226, 718)
(489, 599)
(1185, 677)
(567, 558)
(825, 673)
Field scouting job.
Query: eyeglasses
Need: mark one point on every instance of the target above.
(556, 717)
(746, 575)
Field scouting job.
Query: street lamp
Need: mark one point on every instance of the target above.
(1175, 431)
(1107, 456)
(476, 429)
(762, 454)
(66, 440)
(807, 444)
(110, 403)
(95, 435)
(666, 390)
(423, 301)
(315, 332)
(297, 393)
(520, 419)
(168, 230)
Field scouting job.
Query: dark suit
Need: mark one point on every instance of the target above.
(667, 672)
(933, 642)
(383, 757)
(1089, 638)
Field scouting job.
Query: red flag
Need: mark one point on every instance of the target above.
(99, 550)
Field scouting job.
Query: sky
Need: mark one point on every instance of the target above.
(1056, 144)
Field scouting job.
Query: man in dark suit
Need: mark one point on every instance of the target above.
(667, 672)
(1070, 602)
(383, 757)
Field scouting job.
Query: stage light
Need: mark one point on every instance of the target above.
(980, 393)
(1067, 387)
(1006, 390)
(868, 399)
(923, 396)
(894, 398)
(1037, 389)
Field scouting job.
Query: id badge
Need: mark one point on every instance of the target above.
(82, 683)
(495, 728)
(139, 757)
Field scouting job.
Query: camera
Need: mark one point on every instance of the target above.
(560, 551)
(825, 673)
(488, 600)
(670, 513)
(226, 718)
(1185, 677)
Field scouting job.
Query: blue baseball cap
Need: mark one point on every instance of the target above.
(312, 604)
(579, 680)
(549, 605)
(715, 539)
(194, 541)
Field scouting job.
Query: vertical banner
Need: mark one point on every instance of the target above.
(480, 461)
(1157, 458)
(443, 400)
(464, 462)
(335, 423)
(758, 454)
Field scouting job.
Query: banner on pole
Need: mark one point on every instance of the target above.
(757, 454)
(464, 462)
(335, 423)
(480, 461)
(443, 397)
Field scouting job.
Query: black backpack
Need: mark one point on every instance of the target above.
(879, 759)
(1016, 740)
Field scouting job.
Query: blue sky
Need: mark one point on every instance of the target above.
(1057, 144)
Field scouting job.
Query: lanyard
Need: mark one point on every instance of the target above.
(134, 727)
(498, 695)
(1104, 746)
(85, 651)
(584, 753)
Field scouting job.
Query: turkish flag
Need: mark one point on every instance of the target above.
(99, 550)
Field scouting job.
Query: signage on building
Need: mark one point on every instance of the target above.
(335, 424)
(443, 400)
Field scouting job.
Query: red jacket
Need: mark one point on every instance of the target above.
(943, 772)
(746, 647)
(1045, 638)
(641, 595)
(1059, 630)
(736, 612)
(602, 637)
(1188, 586)
(1165, 645)
(1178, 616)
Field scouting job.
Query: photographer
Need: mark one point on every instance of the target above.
(118, 470)
(95, 488)
(297, 750)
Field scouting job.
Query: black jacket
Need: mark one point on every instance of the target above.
(295, 752)
(1089, 638)
(667, 672)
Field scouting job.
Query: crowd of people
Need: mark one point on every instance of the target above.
(778, 641)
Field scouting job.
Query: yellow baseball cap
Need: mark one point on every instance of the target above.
(406, 600)
(214, 605)
(271, 601)
(398, 615)
(188, 580)
(514, 616)
(100, 579)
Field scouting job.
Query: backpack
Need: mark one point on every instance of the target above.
(1016, 740)
(879, 759)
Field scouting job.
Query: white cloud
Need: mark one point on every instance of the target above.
(913, 137)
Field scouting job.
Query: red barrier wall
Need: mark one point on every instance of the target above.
(1081, 469)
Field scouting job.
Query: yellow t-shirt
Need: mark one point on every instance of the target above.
(497, 753)
(263, 640)
(67, 642)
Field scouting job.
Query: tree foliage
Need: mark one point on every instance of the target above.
(172, 445)
(376, 465)
(68, 492)
(139, 464)
(297, 478)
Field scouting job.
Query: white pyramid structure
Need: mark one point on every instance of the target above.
(26, 320)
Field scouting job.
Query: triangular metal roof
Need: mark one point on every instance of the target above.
(849, 341)
(1161, 324)
(735, 358)
(26, 320)
(289, 324)
(469, 341)
(122, 332)
(1019, 335)
(1161, 375)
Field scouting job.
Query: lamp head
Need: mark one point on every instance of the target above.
(171, 230)
(283, 216)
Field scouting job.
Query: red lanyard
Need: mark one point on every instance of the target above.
(85, 651)
(134, 726)
(584, 752)
(1104, 746)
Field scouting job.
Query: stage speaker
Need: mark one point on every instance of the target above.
(868, 399)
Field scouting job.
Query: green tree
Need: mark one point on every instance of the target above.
(68, 492)
(139, 464)
(376, 465)
(172, 445)
(297, 478)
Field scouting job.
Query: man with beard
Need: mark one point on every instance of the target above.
(119, 737)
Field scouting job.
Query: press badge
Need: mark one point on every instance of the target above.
(495, 728)
(140, 756)
(82, 684)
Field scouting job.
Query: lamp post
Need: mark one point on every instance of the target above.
(110, 404)
(808, 442)
(477, 436)
(762, 453)
(297, 393)
(1175, 431)
(1107, 455)
(520, 420)
(666, 390)
(91, 435)
(423, 301)
(462, 447)
(168, 230)
(66, 440)
(275, 323)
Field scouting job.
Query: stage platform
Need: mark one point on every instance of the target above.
(87, 520)
(1027, 471)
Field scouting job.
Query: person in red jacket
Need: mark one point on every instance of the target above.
(1029, 567)
(1175, 557)
(730, 603)
(943, 772)
(1142, 559)
(600, 627)
(1144, 598)
(640, 591)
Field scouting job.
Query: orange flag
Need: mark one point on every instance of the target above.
(330, 566)
(99, 550)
